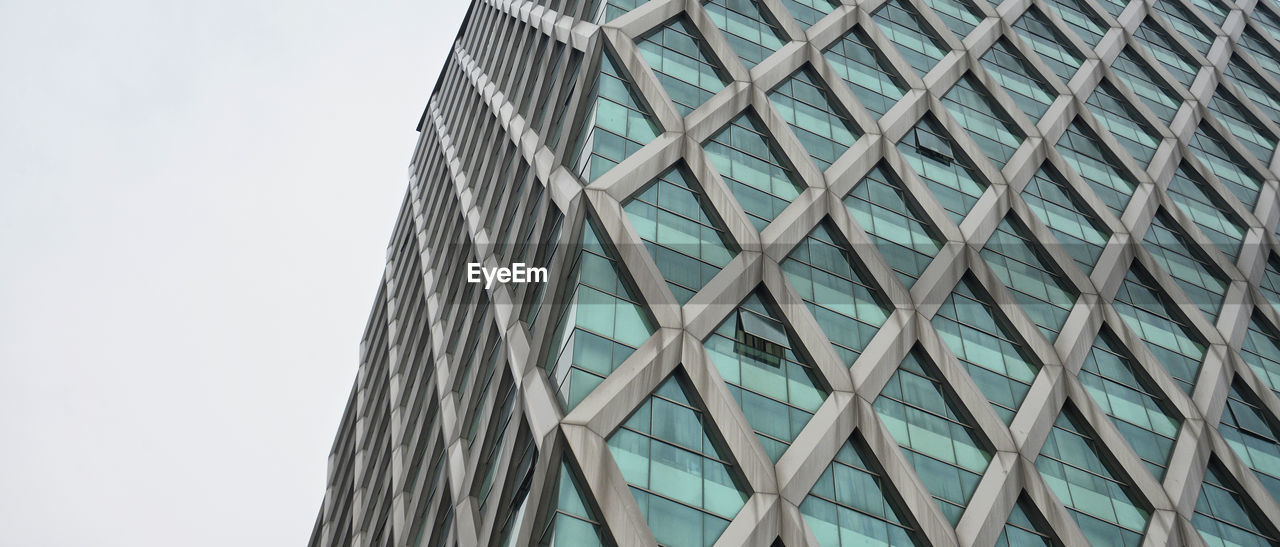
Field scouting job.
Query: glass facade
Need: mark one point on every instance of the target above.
(686, 488)
(846, 306)
(679, 57)
(776, 389)
(600, 325)
(902, 234)
(851, 505)
(989, 350)
(981, 151)
(747, 27)
(689, 247)
(939, 440)
(1101, 500)
(616, 126)
(952, 177)
(744, 154)
(824, 131)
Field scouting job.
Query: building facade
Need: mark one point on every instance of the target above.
(934, 272)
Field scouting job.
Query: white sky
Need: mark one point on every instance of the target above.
(195, 202)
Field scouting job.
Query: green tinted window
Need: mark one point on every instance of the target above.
(939, 441)
(683, 64)
(1057, 205)
(776, 389)
(1150, 313)
(1052, 46)
(573, 521)
(745, 155)
(1086, 23)
(1036, 283)
(686, 489)
(1102, 501)
(951, 175)
(750, 30)
(616, 125)
(1147, 84)
(894, 222)
(1230, 168)
(688, 246)
(850, 505)
(991, 351)
(870, 76)
(989, 125)
(1094, 162)
(808, 12)
(823, 128)
(916, 40)
(600, 326)
(1029, 90)
(1186, 23)
(1199, 278)
(822, 270)
(1141, 414)
(1124, 122)
(1223, 515)
(1255, 137)
(1195, 197)
(1025, 527)
(1167, 51)
(1248, 428)
(1261, 351)
(961, 16)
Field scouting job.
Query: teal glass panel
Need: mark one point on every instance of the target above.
(683, 64)
(1198, 200)
(937, 438)
(1248, 428)
(1255, 137)
(1254, 87)
(1223, 515)
(949, 174)
(1025, 527)
(1049, 43)
(1215, 10)
(1166, 50)
(1032, 93)
(616, 126)
(1262, 16)
(747, 158)
(989, 125)
(1186, 23)
(999, 363)
(961, 16)
(1269, 285)
(1114, 7)
(1086, 23)
(852, 505)
(862, 66)
(1198, 277)
(808, 12)
(1101, 500)
(1261, 351)
(1124, 122)
(777, 389)
(845, 304)
(1231, 169)
(1263, 54)
(1121, 388)
(824, 129)
(1075, 226)
(894, 221)
(600, 326)
(608, 10)
(1093, 161)
(1031, 276)
(1147, 84)
(748, 27)
(916, 40)
(688, 245)
(1155, 318)
(573, 521)
(687, 490)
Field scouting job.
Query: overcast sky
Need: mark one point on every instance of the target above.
(195, 202)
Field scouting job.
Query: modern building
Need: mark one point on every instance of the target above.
(941, 272)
